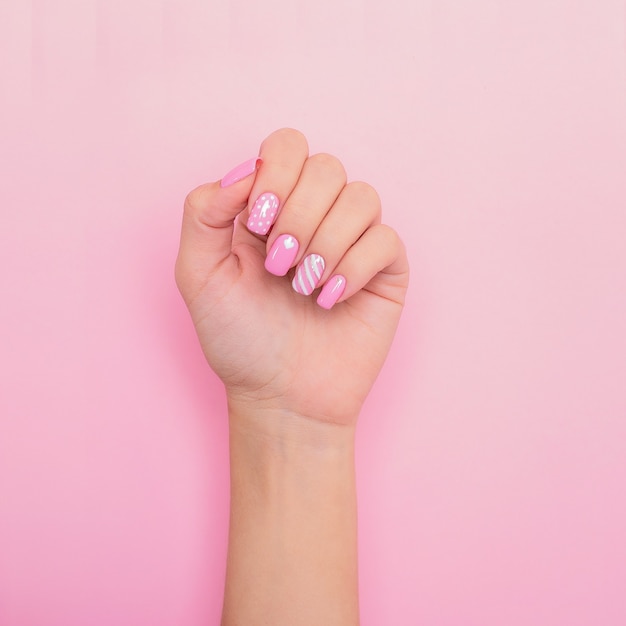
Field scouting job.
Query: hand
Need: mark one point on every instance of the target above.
(275, 348)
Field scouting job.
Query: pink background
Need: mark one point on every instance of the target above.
(491, 453)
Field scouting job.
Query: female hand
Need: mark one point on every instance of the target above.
(296, 366)
(275, 348)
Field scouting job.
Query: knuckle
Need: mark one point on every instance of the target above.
(192, 202)
(364, 194)
(330, 165)
(291, 138)
(388, 236)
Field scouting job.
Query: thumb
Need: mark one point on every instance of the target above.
(208, 223)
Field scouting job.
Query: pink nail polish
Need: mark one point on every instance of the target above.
(331, 291)
(263, 213)
(308, 274)
(281, 255)
(240, 172)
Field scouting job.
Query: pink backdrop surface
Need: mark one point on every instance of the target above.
(491, 453)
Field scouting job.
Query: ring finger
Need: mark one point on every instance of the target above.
(356, 209)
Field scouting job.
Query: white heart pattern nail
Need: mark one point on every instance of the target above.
(308, 274)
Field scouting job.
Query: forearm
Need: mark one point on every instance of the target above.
(292, 554)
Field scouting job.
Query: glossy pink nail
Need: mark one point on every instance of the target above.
(281, 255)
(263, 213)
(308, 274)
(331, 291)
(240, 172)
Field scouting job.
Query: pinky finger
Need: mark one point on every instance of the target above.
(377, 263)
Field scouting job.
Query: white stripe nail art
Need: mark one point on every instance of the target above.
(308, 274)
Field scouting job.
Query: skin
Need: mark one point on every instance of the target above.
(296, 375)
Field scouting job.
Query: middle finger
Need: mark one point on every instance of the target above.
(320, 183)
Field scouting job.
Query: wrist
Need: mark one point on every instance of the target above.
(274, 427)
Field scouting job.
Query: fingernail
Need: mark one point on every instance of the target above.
(263, 213)
(308, 274)
(331, 291)
(241, 171)
(282, 255)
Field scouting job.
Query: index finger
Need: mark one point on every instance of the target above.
(283, 154)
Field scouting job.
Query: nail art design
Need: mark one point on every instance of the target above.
(263, 213)
(331, 291)
(240, 172)
(308, 274)
(281, 255)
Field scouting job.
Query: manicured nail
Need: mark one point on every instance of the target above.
(331, 291)
(240, 172)
(282, 255)
(263, 213)
(308, 274)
